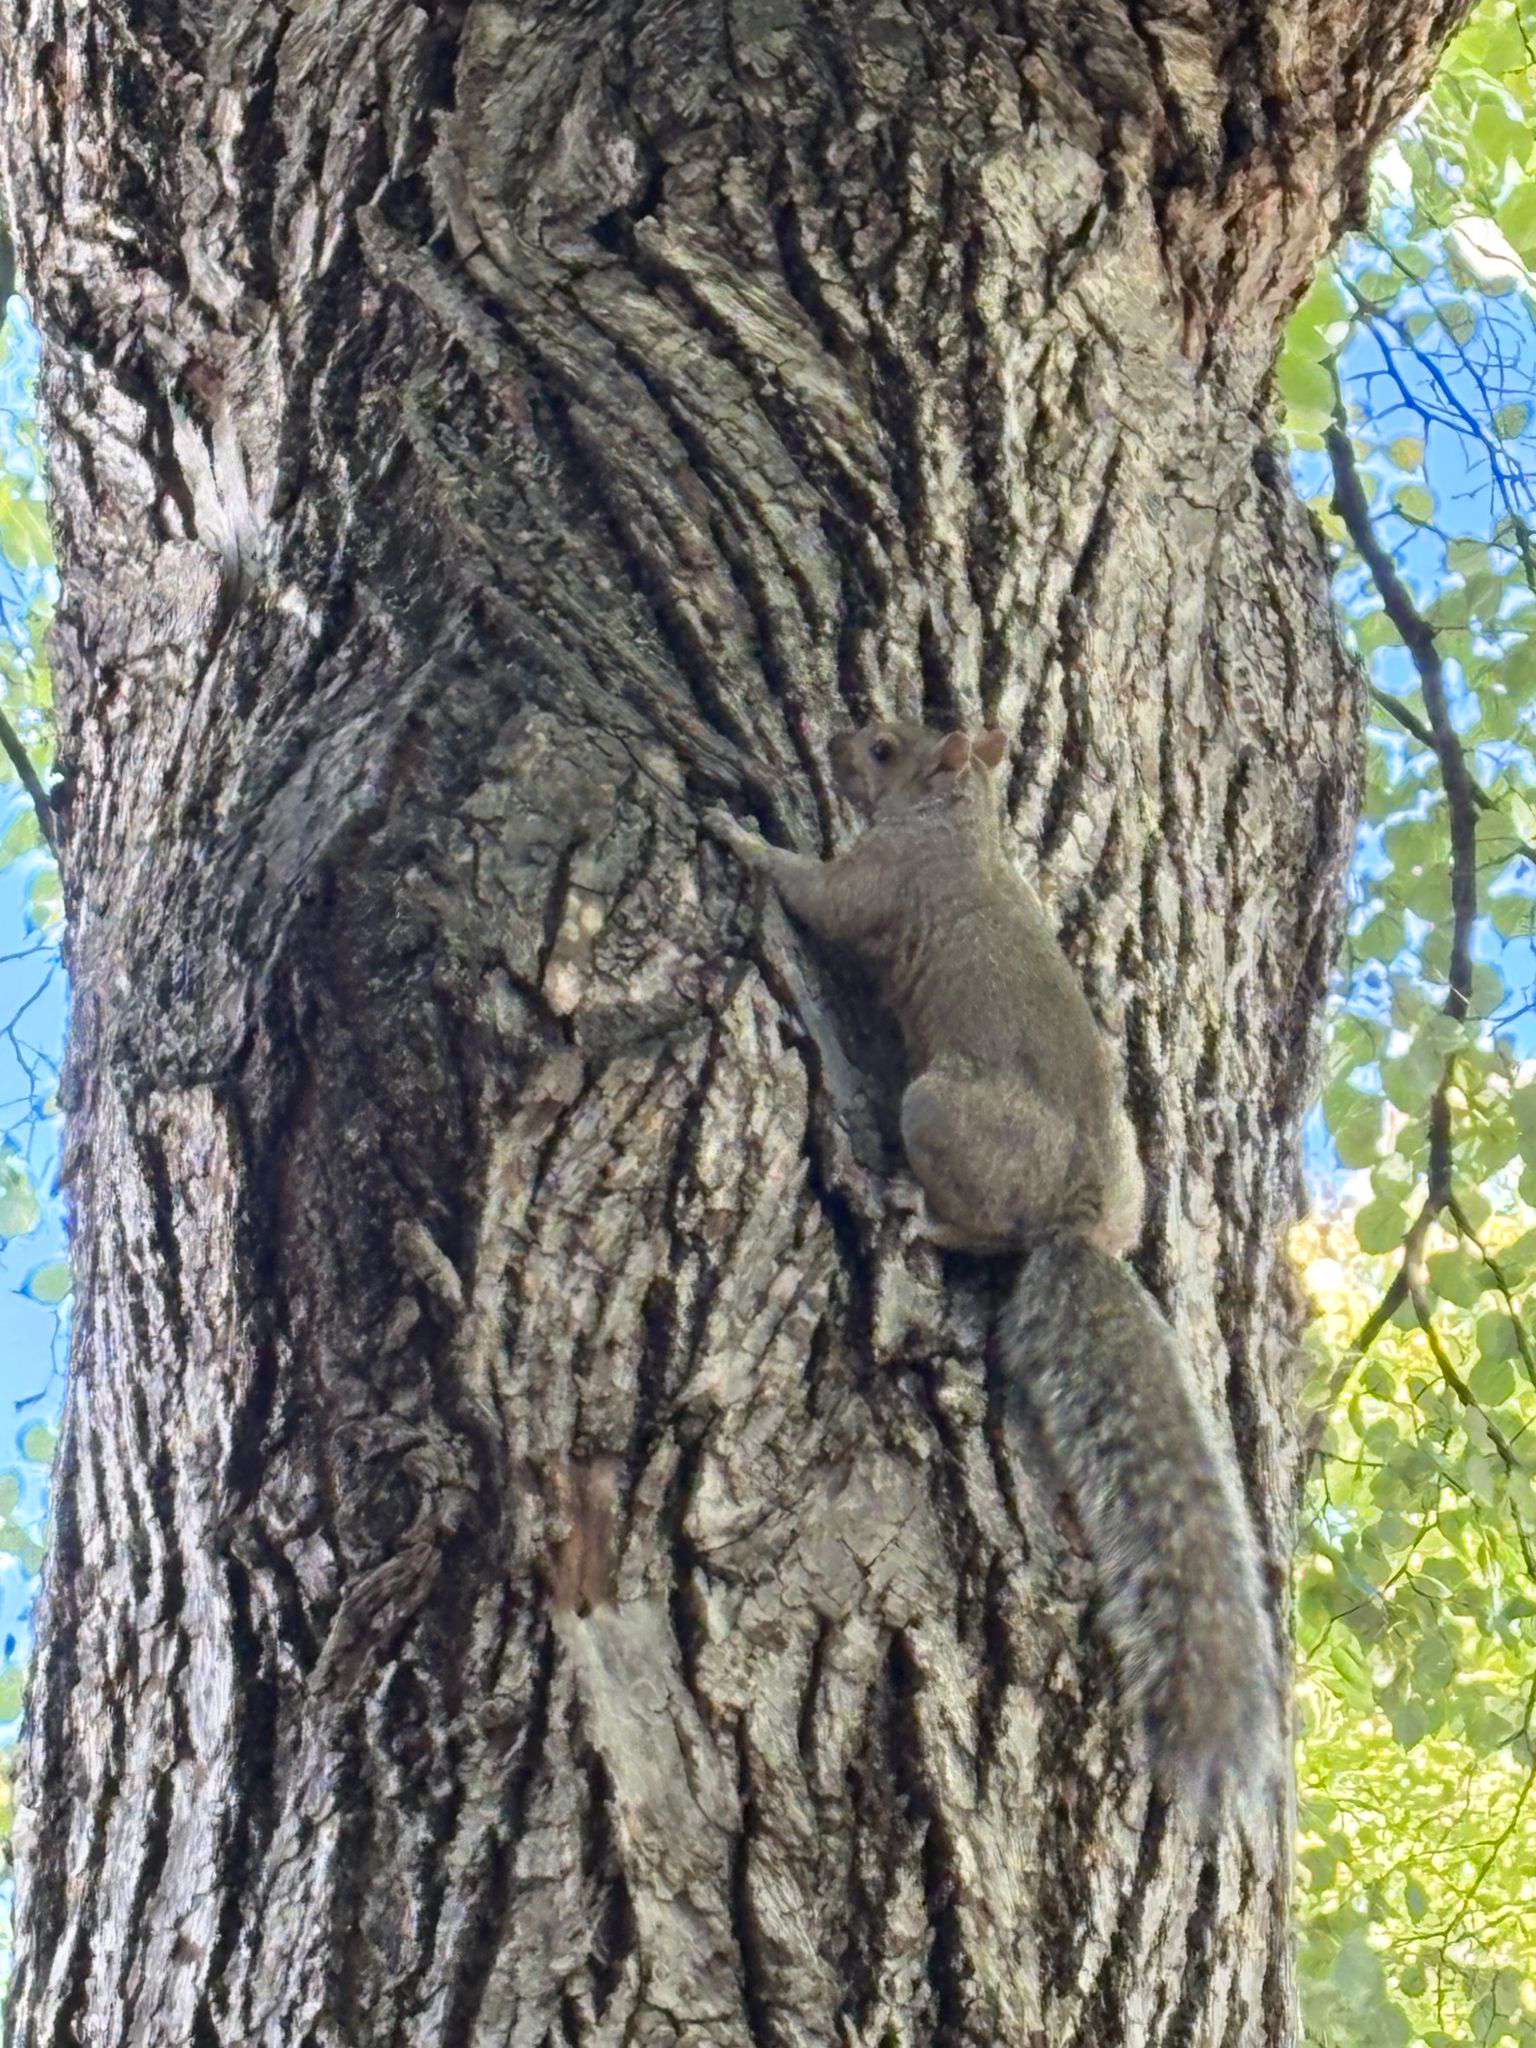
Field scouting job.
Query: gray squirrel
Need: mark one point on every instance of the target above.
(1013, 1125)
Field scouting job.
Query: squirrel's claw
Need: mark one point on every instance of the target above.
(742, 841)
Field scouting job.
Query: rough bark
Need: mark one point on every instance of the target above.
(534, 1554)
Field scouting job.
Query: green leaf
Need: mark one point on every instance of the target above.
(1458, 319)
(23, 528)
(1497, 1337)
(23, 1546)
(1518, 663)
(20, 1209)
(1381, 1226)
(1492, 1380)
(1354, 1119)
(1357, 1972)
(1497, 132)
(1320, 323)
(1488, 990)
(1522, 1105)
(21, 836)
(1434, 1662)
(1355, 1042)
(1410, 1081)
(1478, 1469)
(1380, 286)
(1494, 42)
(1381, 937)
(1415, 503)
(48, 1283)
(1406, 452)
(45, 900)
(1518, 1258)
(1517, 219)
(1508, 1987)
(1410, 1724)
(1307, 389)
(38, 1444)
(1458, 1277)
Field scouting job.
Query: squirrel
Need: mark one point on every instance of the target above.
(1013, 1125)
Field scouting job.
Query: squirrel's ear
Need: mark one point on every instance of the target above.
(991, 747)
(953, 754)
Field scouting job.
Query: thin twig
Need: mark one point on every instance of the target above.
(1418, 636)
(1440, 735)
(1411, 722)
(1464, 1394)
(21, 762)
(1500, 1280)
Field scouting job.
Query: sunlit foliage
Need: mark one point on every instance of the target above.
(1418, 1687)
(1408, 384)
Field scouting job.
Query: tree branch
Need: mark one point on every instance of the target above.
(28, 776)
(1440, 735)
(1418, 636)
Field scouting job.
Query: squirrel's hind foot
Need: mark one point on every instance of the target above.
(957, 1237)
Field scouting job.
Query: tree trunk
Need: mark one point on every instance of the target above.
(535, 1555)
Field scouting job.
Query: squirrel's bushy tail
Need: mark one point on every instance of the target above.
(1094, 1369)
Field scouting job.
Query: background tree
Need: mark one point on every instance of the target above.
(534, 1555)
(1408, 378)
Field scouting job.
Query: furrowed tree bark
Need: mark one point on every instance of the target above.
(535, 1557)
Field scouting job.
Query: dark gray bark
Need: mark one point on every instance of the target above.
(535, 1558)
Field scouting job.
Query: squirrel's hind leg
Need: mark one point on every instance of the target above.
(995, 1162)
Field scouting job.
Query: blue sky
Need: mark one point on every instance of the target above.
(32, 1007)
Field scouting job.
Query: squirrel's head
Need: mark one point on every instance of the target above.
(887, 766)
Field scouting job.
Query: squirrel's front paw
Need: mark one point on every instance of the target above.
(745, 844)
(905, 1197)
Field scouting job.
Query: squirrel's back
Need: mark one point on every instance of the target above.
(973, 971)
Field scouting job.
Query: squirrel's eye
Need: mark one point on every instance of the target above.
(882, 750)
